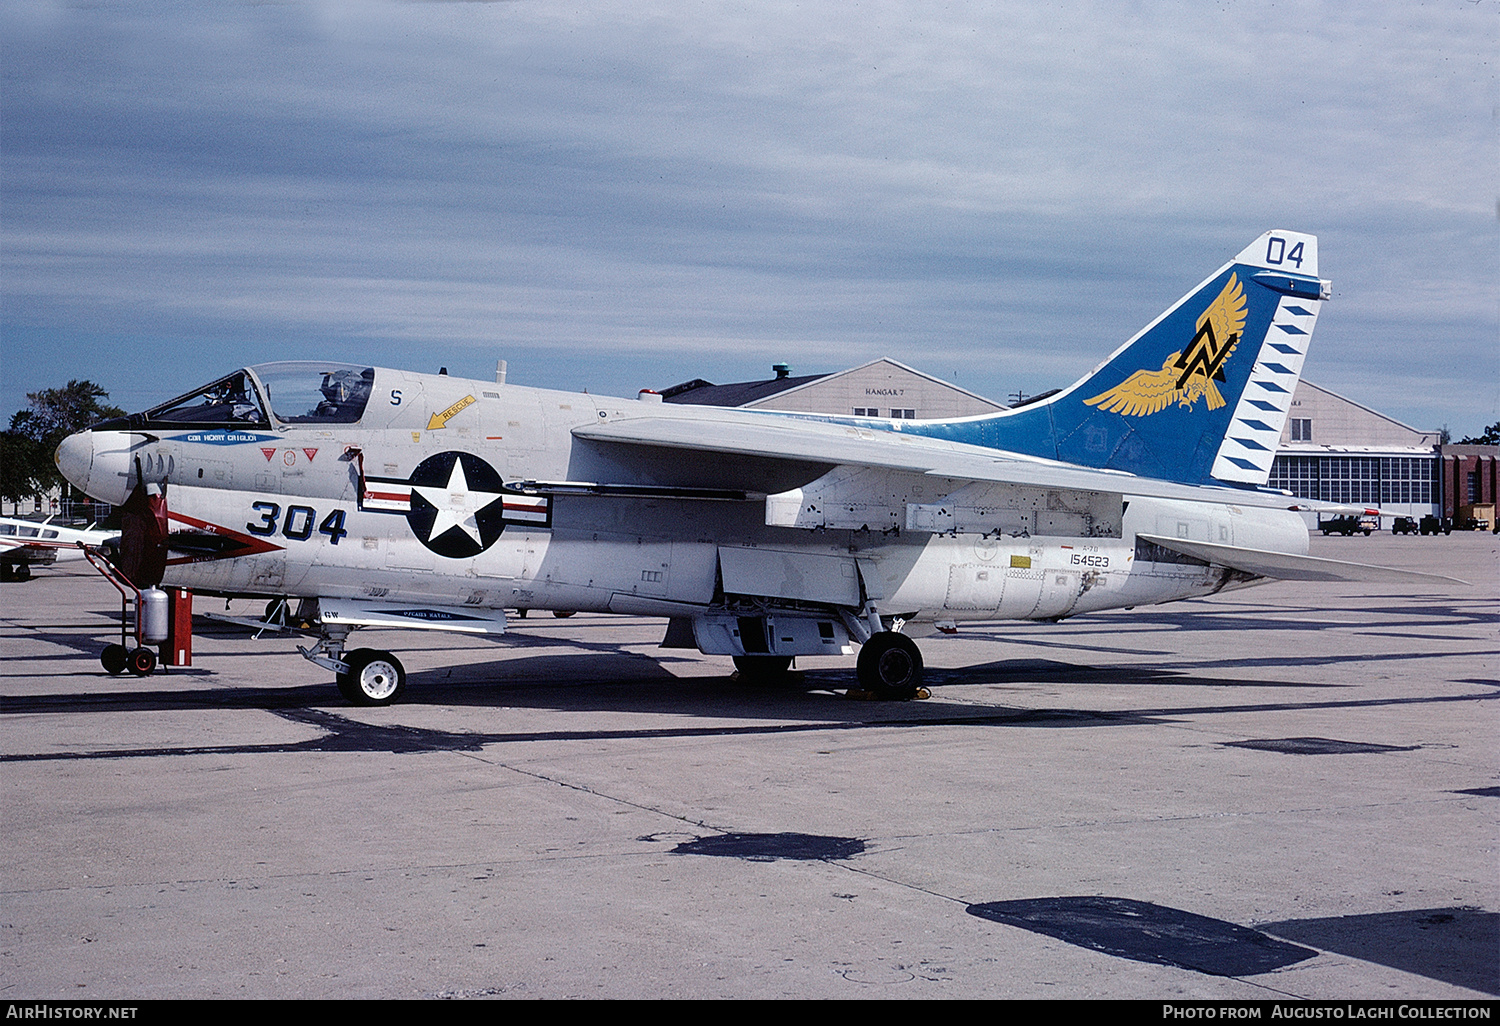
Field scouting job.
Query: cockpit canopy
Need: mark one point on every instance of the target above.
(230, 400)
(295, 393)
(316, 393)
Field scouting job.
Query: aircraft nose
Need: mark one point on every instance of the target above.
(101, 471)
(75, 458)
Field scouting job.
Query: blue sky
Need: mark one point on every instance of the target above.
(621, 195)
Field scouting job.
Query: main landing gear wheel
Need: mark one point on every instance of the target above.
(890, 666)
(374, 677)
(762, 669)
(113, 659)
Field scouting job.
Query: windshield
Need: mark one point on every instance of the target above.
(229, 400)
(316, 393)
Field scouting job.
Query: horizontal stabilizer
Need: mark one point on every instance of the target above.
(1334, 509)
(1286, 567)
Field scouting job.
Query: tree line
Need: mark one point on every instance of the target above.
(1490, 436)
(26, 447)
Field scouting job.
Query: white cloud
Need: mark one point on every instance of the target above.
(640, 183)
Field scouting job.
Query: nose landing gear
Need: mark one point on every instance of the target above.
(365, 676)
(374, 677)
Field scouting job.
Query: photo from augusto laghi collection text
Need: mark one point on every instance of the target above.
(1327, 1010)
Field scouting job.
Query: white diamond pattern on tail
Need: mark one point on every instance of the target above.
(1249, 446)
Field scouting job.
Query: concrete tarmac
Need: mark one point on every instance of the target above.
(1283, 791)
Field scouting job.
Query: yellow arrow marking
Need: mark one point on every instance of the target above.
(440, 420)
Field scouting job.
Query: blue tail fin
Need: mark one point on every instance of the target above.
(1200, 394)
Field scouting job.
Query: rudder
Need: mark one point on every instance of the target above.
(1204, 390)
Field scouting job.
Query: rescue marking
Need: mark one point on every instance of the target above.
(440, 420)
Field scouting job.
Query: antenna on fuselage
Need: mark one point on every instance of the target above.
(499, 372)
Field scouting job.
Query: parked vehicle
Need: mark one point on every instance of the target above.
(1436, 525)
(1404, 525)
(1348, 525)
(1475, 516)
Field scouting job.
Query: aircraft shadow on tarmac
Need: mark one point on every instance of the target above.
(803, 703)
(622, 681)
(611, 662)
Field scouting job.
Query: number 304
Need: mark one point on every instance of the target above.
(298, 524)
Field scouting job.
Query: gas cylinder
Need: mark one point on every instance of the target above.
(155, 616)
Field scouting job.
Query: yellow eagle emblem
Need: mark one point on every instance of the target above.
(1190, 374)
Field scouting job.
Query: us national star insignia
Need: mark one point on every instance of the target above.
(1188, 375)
(457, 504)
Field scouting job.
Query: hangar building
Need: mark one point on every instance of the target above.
(880, 388)
(1333, 449)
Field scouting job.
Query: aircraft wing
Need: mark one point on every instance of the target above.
(811, 441)
(1286, 567)
(36, 544)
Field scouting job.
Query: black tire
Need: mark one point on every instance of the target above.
(141, 662)
(22, 572)
(762, 669)
(114, 658)
(890, 666)
(374, 677)
(346, 687)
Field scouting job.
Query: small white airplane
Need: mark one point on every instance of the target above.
(385, 498)
(28, 543)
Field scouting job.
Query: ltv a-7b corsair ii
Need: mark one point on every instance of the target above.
(386, 498)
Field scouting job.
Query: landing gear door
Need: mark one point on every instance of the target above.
(800, 576)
